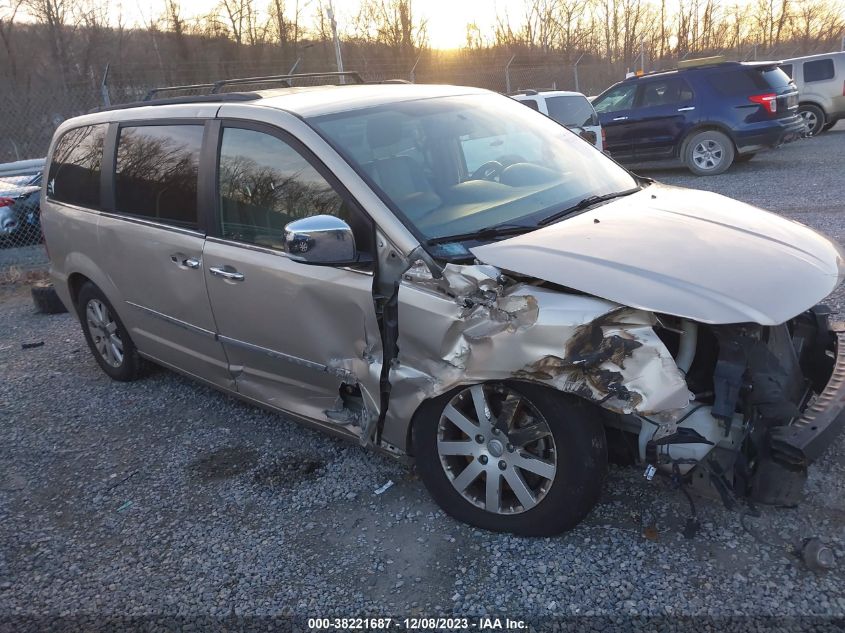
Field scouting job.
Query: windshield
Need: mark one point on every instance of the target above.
(456, 165)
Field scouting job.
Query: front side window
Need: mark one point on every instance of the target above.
(616, 99)
(818, 70)
(573, 111)
(74, 175)
(156, 173)
(670, 91)
(264, 184)
(455, 165)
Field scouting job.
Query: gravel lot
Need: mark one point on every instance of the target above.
(162, 497)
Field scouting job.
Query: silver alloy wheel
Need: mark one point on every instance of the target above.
(810, 119)
(103, 330)
(708, 154)
(497, 449)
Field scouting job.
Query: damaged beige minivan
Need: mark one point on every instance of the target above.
(442, 273)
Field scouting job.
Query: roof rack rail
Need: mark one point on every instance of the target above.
(217, 86)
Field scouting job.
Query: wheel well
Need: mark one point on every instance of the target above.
(813, 103)
(74, 283)
(704, 127)
(432, 401)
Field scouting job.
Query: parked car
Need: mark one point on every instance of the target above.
(20, 217)
(821, 86)
(571, 109)
(482, 291)
(706, 114)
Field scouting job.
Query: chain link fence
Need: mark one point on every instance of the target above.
(32, 110)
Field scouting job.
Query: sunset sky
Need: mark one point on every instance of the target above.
(447, 19)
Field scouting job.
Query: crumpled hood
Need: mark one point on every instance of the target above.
(683, 252)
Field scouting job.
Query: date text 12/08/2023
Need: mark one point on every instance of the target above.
(484, 623)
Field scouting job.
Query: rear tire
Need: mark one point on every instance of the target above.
(554, 452)
(708, 153)
(107, 337)
(814, 117)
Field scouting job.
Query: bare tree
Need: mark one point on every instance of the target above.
(392, 23)
(8, 12)
(54, 14)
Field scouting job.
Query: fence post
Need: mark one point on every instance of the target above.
(575, 71)
(337, 53)
(295, 64)
(413, 73)
(104, 87)
(508, 75)
(843, 43)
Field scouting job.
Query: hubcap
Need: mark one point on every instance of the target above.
(811, 120)
(497, 449)
(708, 154)
(103, 330)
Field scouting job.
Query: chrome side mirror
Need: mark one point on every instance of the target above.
(320, 239)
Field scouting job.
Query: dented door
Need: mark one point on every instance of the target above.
(296, 335)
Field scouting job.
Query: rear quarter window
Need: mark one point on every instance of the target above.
(156, 173)
(818, 70)
(74, 175)
(747, 81)
(574, 111)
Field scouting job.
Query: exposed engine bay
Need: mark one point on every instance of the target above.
(754, 388)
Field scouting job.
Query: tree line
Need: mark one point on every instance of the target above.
(71, 40)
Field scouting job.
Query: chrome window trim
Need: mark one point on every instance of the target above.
(150, 223)
(129, 218)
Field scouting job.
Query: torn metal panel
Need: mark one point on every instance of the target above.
(496, 329)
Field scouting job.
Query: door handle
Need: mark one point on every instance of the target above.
(621, 118)
(686, 109)
(226, 272)
(185, 262)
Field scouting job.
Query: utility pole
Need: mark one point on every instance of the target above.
(337, 54)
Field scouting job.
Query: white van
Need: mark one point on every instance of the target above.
(571, 109)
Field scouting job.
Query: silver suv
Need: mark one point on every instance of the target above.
(821, 86)
(442, 273)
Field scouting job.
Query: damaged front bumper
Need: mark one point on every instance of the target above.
(804, 441)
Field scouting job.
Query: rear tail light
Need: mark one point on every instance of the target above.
(6, 202)
(768, 101)
(843, 88)
(603, 139)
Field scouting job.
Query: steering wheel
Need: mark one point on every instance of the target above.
(488, 171)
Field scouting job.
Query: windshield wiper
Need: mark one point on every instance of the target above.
(505, 229)
(587, 202)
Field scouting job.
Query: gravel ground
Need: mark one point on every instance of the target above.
(162, 497)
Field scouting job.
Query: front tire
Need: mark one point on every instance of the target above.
(107, 337)
(814, 117)
(511, 457)
(708, 153)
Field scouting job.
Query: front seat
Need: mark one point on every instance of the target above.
(400, 177)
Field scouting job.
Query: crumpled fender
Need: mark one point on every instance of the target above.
(474, 325)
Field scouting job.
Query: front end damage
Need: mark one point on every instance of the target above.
(767, 401)
(734, 410)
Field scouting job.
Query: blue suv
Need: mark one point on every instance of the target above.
(708, 116)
